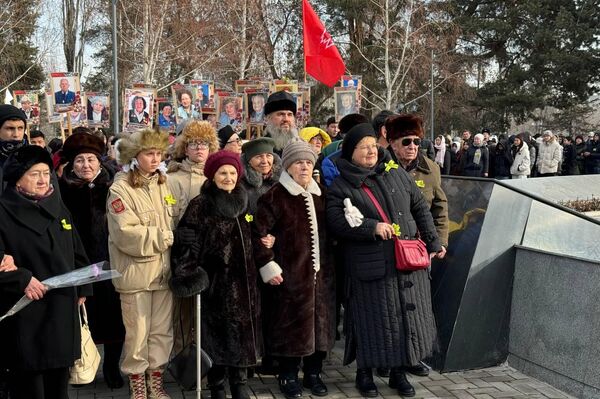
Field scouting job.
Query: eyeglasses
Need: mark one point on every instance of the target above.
(407, 140)
(238, 140)
(194, 145)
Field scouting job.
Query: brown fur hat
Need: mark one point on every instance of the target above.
(195, 130)
(398, 126)
(132, 144)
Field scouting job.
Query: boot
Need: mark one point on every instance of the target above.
(156, 388)
(315, 384)
(238, 377)
(239, 391)
(217, 391)
(365, 384)
(137, 386)
(398, 381)
(420, 369)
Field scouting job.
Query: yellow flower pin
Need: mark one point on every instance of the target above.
(396, 229)
(249, 218)
(65, 225)
(390, 165)
(170, 200)
(420, 183)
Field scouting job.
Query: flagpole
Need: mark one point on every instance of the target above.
(303, 44)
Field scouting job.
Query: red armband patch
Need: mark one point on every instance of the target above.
(118, 206)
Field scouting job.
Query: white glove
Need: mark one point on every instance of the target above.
(352, 214)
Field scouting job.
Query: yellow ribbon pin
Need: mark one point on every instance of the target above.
(396, 229)
(420, 183)
(249, 218)
(170, 200)
(65, 225)
(390, 165)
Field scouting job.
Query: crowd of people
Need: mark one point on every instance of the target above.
(275, 234)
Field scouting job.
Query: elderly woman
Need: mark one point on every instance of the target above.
(41, 342)
(299, 300)
(140, 226)
(262, 168)
(317, 138)
(84, 187)
(220, 257)
(389, 320)
(229, 140)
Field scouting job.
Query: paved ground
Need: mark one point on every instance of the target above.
(491, 383)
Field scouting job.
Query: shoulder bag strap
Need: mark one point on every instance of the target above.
(376, 203)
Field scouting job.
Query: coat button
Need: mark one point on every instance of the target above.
(408, 284)
(410, 306)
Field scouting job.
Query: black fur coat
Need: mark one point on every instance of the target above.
(212, 253)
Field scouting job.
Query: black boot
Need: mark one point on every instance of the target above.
(398, 381)
(315, 384)
(239, 391)
(420, 369)
(365, 384)
(110, 368)
(217, 392)
(290, 387)
(238, 376)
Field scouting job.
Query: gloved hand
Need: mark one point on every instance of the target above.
(352, 214)
(186, 236)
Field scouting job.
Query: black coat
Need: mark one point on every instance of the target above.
(42, 239)
(87, 204)
(389, 320)
(475, 161)
(220, 255)
(502, 159)
(569, 163)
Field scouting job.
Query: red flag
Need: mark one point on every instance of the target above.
(322, 59)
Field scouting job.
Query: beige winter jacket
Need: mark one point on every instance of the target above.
(549, 156)
(185, 180)
(140, 228)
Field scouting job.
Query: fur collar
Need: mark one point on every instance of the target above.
(255, 179)
(222, 203)
(295, 189)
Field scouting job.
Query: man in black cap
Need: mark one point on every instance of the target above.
(12, 133)
(280, 115)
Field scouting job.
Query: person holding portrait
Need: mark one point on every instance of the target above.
(389, 321)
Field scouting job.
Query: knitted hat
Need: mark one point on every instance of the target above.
(354, 136)
(280, 100)
(132, 144)
(195, 131)
(262, 145)
(224, 134)
(82, 143)
(220, 158)
(349, 121)
(22, 159)
(297, 150)
(403, 125)
(308, 133)
(10, 112)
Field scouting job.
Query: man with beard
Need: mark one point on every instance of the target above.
(280, 116)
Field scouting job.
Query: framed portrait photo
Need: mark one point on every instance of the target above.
(284, 85)
(242, 85)
(138, 109)
(98, 109)
(53, 115)
(185, 101)
(254, 105)
(28, 102)
(346, 101)
(350, 81)
(205, 93)
(66, 89)
(230, 110)
(210, 116)
(165, 114)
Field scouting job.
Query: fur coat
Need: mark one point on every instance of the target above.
(299, 313)
(254, 183)
(216, 259)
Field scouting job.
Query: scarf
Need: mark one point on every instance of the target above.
(35, 197)
(440, 153)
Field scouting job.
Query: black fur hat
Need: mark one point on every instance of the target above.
(22, 159)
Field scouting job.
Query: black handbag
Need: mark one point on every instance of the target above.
(183, 365)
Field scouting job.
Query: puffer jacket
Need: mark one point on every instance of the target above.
(140, 234)
(521, 163)
(549, 156)
(185, 180)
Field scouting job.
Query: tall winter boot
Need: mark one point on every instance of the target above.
(156, 388)
(137, 386)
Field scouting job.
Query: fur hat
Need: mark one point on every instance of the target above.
(404, 125)
(354, 136)
(308, 133)
(82, 143)
(297, 150)
(132, 144)
(351, 120)
(10, 112)
(220, 158)
(195, 131)
(262, 145)
(22, 159)
(280, 100)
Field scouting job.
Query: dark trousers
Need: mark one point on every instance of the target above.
(45, 384)
(546, 174)
(312, 364)
(216, 375)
